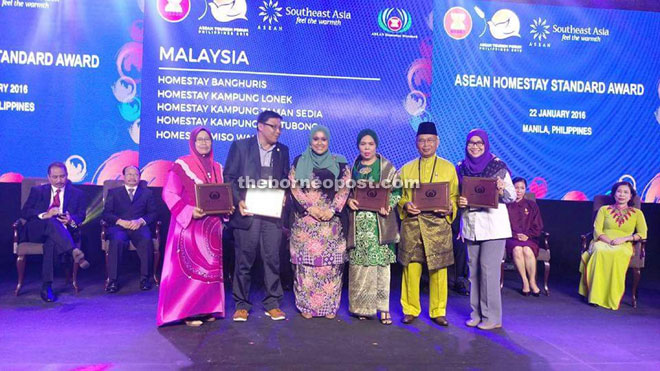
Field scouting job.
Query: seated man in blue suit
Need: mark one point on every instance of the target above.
(53, 212)
(129, 210)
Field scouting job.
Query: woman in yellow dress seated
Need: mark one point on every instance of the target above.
(604, 265)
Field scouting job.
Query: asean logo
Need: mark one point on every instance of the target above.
(173, 10)
(457, 23)
(394, 20)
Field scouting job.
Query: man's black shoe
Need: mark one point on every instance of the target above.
(145, 284)
(112, 287)
(47, 294)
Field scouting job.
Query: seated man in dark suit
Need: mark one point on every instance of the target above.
(129, 210)
(53, 212)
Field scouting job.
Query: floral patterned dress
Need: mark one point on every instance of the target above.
(318, 248)
(369, 273)
(368, 251)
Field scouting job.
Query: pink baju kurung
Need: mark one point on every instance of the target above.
(191, 282)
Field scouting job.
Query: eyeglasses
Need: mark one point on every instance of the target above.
(203, 140)
(274, 127)
(475, 144)
(424, 141)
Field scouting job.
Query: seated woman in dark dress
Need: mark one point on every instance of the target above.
(526, 227)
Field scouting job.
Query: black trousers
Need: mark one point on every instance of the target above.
(460, 260)
(460, 254)
(119, 239)
(264, 237)
(57, 241)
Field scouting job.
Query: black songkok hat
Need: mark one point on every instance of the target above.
(427, 127)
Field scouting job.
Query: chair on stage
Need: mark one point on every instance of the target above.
(637, 260)
(21, 249)
(544, 254)
(105, 243)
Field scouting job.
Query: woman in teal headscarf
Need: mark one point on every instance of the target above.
(318, 241)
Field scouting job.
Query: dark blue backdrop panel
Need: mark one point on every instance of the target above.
(571, 141)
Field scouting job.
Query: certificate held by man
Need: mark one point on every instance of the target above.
(432, 197)
(265, 201)
(480, 192)
(214, 198)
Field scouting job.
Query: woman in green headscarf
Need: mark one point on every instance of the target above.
(318, 242)
(371, 235)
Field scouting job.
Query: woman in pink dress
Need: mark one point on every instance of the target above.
(191, 286)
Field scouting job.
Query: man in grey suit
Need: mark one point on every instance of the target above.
(260, 157)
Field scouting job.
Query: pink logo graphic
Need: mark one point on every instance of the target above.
(458, 23)
(11, 178)
(539, 187)
(173, 10)
(394, 23)
(575, 196)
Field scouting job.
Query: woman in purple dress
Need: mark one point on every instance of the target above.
(526, 227)
(191, 286)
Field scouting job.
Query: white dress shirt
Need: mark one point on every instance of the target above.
(128, 190)
(52, 196)
(489, 224)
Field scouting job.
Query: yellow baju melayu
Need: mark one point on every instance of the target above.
(426, 238)
(603, 266)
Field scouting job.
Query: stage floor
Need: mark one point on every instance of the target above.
(97, 331)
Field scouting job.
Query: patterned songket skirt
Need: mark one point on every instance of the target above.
(368, 289)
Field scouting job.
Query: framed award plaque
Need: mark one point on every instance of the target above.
(214, 198)
(480, 192)
(432, 196)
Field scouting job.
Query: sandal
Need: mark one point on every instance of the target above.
(194, 323)
(385, 318)
(306, 315)
(330, 316)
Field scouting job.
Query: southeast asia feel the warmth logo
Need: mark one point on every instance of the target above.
(394, 20)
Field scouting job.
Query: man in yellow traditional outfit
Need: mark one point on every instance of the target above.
(426, 236)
